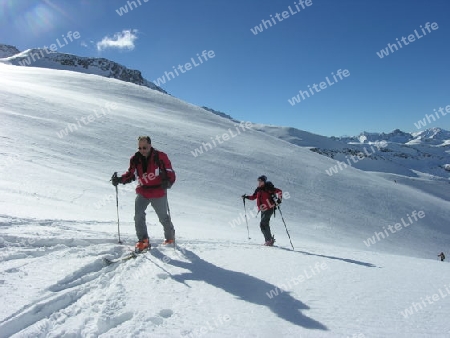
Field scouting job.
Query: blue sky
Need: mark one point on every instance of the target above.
(252, 77)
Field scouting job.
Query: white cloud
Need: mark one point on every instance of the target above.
(121, 40)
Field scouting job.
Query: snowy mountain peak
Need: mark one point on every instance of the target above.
(45, 58)
(433, 133)
(7, 51)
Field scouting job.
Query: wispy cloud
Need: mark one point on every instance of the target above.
(120, 40)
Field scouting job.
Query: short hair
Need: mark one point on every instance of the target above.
(141, 138)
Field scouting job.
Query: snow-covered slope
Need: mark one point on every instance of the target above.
(219, 113)
(300, 137)
(59, 219)
(38, 57)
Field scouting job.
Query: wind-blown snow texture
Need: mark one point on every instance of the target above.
(58, 219)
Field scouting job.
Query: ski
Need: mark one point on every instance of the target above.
(127, 257)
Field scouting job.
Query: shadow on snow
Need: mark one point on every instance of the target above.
(244, 287)
(347, 260)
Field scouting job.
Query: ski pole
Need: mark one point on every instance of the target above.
(117, 206)
(279, 209)
(170, 217)
(246, 221)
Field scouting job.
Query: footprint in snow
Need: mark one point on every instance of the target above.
(162, 275)
(166, 313)
(163, 314)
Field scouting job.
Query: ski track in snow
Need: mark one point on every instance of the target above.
(95, 294)
(90, 299)
(94, 286)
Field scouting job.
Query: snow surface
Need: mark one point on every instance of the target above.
(58, 220)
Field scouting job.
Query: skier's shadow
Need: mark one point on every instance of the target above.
(347, 260)
(245, 287)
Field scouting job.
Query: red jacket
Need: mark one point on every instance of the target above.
(150, 175)
(264, 198)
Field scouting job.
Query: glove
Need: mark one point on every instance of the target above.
(166, 184)
(115, 180)
(276, 199)
(244, 196)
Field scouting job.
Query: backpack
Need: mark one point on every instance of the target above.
(166, 184)
(270, 188)
(160, 164)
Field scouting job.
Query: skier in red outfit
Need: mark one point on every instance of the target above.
(267, 198)
(155, 174)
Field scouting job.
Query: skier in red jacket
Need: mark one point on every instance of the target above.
(155, 174)
(267, 198)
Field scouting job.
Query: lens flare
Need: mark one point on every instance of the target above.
(32, 17)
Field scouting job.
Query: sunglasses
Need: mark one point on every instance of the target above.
(143, 148)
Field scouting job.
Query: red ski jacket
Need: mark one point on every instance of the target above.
(264, 199)
(154, 173)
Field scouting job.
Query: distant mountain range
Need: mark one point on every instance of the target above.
(7, 51)
(99, 66)
(431, 136)
(407, 154)
(400, 153)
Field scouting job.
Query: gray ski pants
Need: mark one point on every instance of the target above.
(161, 209)
(265, 221)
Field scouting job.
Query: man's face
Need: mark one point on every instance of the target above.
(260, 183)
(144, 147)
